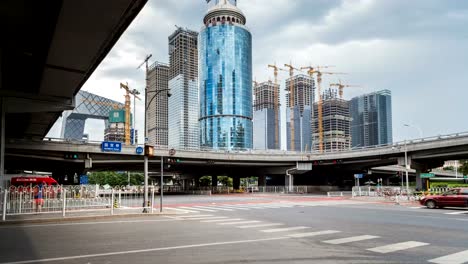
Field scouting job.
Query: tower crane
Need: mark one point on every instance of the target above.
(276, 103)
(127, 110)
(342, 86)
(316, 70)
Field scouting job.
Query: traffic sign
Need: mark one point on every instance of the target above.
(111, 146)
(358, 176)
(139, 150)
(427, 175)
(84, 179)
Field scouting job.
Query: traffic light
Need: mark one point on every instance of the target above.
(172, 160)
(71, 156)
(149, 151)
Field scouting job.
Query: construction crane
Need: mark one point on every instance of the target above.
(127, 110)
(276, 103)
(311, 71)
(342, 86)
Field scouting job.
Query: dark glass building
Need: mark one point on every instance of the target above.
(372, 119)
(225, 75)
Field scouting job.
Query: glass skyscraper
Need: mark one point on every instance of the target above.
(372, 119)
(225, 74)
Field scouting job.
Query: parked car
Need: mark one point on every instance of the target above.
(457, 197)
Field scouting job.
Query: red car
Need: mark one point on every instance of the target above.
(457, 197)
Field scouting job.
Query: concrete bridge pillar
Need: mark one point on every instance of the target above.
(289, 182)
(236, 182)
(214, 181)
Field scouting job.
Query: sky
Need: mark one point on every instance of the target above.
(417, 49)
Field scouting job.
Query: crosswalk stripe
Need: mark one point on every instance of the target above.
(457, 213)
(207, 218)
(204, 209)
(234, 207)
(183, 210)
(318, 233)
(221, 220)
(274, 230)
(240, 222)
(214, 208)
(397, 247)
(260, 225)
(349, 239)
(251, 206)
(195, 216)
(457, 258)
(198, 209)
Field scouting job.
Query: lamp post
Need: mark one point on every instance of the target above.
(406, 155)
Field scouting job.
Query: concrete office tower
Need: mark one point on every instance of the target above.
(372, 119)
(336, 123)
(299, 112)
(225, 79)
(157, 104)
(183, 83)
(266, 117)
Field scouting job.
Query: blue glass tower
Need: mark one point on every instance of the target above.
(225, 74)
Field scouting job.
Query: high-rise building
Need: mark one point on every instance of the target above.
(115, 130)
(336, 123)
(266, 116)
(225, 79)
(157, 104)
(183, 83)
(299, 100)
(372, 119)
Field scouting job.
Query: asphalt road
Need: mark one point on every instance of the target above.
(301, 232)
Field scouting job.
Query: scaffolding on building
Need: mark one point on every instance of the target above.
(336, 123)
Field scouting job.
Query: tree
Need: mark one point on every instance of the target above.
(225, 181)
(463, 167)
(449, 168)
(205, 181)
(113, 178)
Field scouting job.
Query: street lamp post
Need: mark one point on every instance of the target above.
(406, 155)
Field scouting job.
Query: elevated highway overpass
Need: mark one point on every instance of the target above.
(49, 155)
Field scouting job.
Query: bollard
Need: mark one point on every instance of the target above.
(5, 195)
(112, 202)
(64, 204)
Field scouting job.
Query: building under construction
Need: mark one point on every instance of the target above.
(299, 116)
(183, 83)
(266, 118)
(115, 130)
(336, 123)
(157, 104)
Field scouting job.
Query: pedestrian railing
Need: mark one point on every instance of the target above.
(297, 189)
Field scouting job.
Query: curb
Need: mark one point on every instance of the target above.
(79, 218)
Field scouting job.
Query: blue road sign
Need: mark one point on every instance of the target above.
(139, 150)
(358, 176)
(111, 146)
(84, 179)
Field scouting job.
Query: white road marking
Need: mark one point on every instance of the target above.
(457, 258)
(397, 247)
(200, 209)
(240, 222)
(214, 208)
(221, 220)
(457, 213)
(182, 210)
(250, 206)
(235, 207)
(207, 218)
(195, 216)
(274, 230)
(311, 234)
(418, 207)
(260, 225)
(349, 239)
(117, 253)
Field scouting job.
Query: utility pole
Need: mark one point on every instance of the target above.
(145, 165)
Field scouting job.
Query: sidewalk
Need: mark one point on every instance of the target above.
(385, 201)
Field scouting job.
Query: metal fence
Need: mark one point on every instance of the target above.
(73, 199)
(297, 189)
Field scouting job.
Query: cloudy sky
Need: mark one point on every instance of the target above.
(418, 49)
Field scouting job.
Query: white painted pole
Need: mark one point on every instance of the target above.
(64, 204)
(112, 202)
(5, 195)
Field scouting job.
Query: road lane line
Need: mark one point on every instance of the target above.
(240, 222)
(457, 213)
(213, 208)
(195, 216)
(457, 258)
(311, 234)
(221, 220)
(116, 253)
(349, 239)
(250, 206)
(397, 247)
(235, 207)
(208, 218)
(199, 209)
(274, 230)
(260, 225)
